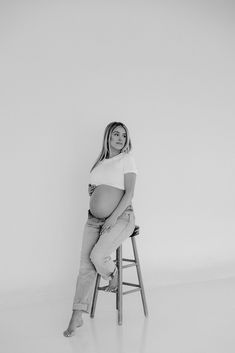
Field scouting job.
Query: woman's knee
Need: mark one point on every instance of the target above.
(95, 257)
(98, 257)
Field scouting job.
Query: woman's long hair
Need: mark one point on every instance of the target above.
(105, 152)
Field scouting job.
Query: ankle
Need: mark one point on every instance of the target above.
(77, 312)
(114, 273)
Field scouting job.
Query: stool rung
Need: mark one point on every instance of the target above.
(131, 284)
(123, 259)
(130, 265)
(131, 260)
(101, 288)
(131, 291)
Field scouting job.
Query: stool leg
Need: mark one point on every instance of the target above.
(139, 276)
(120, 295)
(97, 283)
(118, 279)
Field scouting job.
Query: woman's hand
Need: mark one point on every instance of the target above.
(91, 188)
(108, 224)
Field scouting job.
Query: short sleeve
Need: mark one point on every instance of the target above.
(129, 165)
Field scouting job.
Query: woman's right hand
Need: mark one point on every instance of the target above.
(91, 188)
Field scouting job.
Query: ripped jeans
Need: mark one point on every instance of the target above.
(95, 254)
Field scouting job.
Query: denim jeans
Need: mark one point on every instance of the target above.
(95, 254)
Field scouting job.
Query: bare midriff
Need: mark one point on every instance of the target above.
(104, 200)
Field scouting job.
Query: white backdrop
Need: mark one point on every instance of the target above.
(165, 69)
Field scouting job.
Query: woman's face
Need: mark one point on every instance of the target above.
(118, 138)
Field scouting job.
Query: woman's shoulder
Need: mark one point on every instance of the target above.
(129, 163)
(129, 155)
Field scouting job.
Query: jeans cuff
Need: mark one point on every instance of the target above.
(106, 277)
(83, 307)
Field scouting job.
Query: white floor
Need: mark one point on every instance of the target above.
(184, 318)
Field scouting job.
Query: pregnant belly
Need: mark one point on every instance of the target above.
(104, 200)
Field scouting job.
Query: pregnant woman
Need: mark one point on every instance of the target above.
(111, 218)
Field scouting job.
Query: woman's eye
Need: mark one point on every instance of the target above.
(117, 135)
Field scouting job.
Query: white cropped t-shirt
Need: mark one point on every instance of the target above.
(110, 171)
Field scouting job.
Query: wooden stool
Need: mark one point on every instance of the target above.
(119, 292)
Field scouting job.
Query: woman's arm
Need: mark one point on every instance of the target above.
(129, 184)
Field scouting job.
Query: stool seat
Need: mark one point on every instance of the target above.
(119, 292)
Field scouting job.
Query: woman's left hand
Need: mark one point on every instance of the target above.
(108, 224)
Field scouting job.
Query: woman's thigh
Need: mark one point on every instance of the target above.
(110, 240)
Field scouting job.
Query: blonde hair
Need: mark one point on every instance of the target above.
(105, 152)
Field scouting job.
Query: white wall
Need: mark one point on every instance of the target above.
(164, 68)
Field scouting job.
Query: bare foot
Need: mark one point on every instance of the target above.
(76, 321)
(113, 283)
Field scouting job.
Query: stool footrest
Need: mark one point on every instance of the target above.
(131, 284)
(104, 288)
(101, 288)
(131, 291)
(130, 265)
(131, 260)
(123, 259)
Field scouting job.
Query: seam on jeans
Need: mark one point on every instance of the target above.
(126, 213)
(128, 222)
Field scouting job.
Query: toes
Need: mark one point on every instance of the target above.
(68, 333)
(110, 289)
